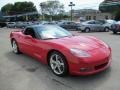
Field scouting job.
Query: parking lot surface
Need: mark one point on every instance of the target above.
(21, 72)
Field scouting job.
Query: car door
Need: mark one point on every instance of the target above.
(99, 26)
(28, 41)
(91, 25)
(32, 44)
(73, 25)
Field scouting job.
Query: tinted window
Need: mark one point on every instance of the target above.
(30, 31)
(92, 22)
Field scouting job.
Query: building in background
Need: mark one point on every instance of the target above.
(91, 14)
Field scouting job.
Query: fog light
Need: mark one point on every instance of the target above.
(84, 69)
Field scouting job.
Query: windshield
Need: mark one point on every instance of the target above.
(52, 32)
(111, 21)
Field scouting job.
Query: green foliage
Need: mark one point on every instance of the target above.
(18, 8)
(109, 7)
(52, 7)
(117, 15)
(7, 8)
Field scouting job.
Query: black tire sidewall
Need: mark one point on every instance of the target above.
(106, 29)
(114, 32)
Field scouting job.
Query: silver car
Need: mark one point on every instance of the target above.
(93, 25)
(11, 24)
(23, 24)
(107, 24)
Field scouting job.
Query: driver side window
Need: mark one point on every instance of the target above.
(30, 31)
(92, 22)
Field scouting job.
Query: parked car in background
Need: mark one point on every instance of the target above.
(36, 22)
(49, 23)
(116, 27)
(11, 24)
(93, 25)
(107, 24)
(19, 24)
(3, 24)
(68, 25)
(43, 22)
(23, 24)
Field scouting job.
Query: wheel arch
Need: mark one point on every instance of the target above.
(49, 52)
(12, 40)
(87, 28)
(106, 27)
(54, 50)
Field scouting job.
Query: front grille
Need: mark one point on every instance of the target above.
(101, 66)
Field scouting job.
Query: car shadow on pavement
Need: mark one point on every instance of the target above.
(24, 61)
(115, 34)
(44, 74)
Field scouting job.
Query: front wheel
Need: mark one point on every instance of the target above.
(15, 47)
(58, 64)
(114, 32)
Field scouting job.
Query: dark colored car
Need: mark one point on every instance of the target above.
(69, 25)
(116, 27)
(3, 24)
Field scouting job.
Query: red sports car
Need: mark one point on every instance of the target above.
(62, 51)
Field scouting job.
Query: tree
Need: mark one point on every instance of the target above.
(51, 8)
(23, 7)
(18, 8)
(117, 15)
(7, 8)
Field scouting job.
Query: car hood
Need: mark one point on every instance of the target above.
(86, 43)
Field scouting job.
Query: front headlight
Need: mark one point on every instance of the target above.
(79, 53)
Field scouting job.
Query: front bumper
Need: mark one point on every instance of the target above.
(116, 30)
(85, 68)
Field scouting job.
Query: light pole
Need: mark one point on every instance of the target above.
(71, 5)
(41, 5)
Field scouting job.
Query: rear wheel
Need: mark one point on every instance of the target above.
(15, 47)
(58, 64)
(87, 30)
(114, 32)
(106, 29)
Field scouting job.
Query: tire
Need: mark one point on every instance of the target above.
(58, 64)
(114, 32)
(87, 30)
(15, 47)
(106, 29)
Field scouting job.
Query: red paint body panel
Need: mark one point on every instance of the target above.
(100, 53)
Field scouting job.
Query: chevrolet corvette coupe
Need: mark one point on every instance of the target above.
(63, 52)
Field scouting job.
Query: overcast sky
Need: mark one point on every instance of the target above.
(80, 4)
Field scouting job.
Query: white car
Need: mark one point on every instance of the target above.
(11, 24)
